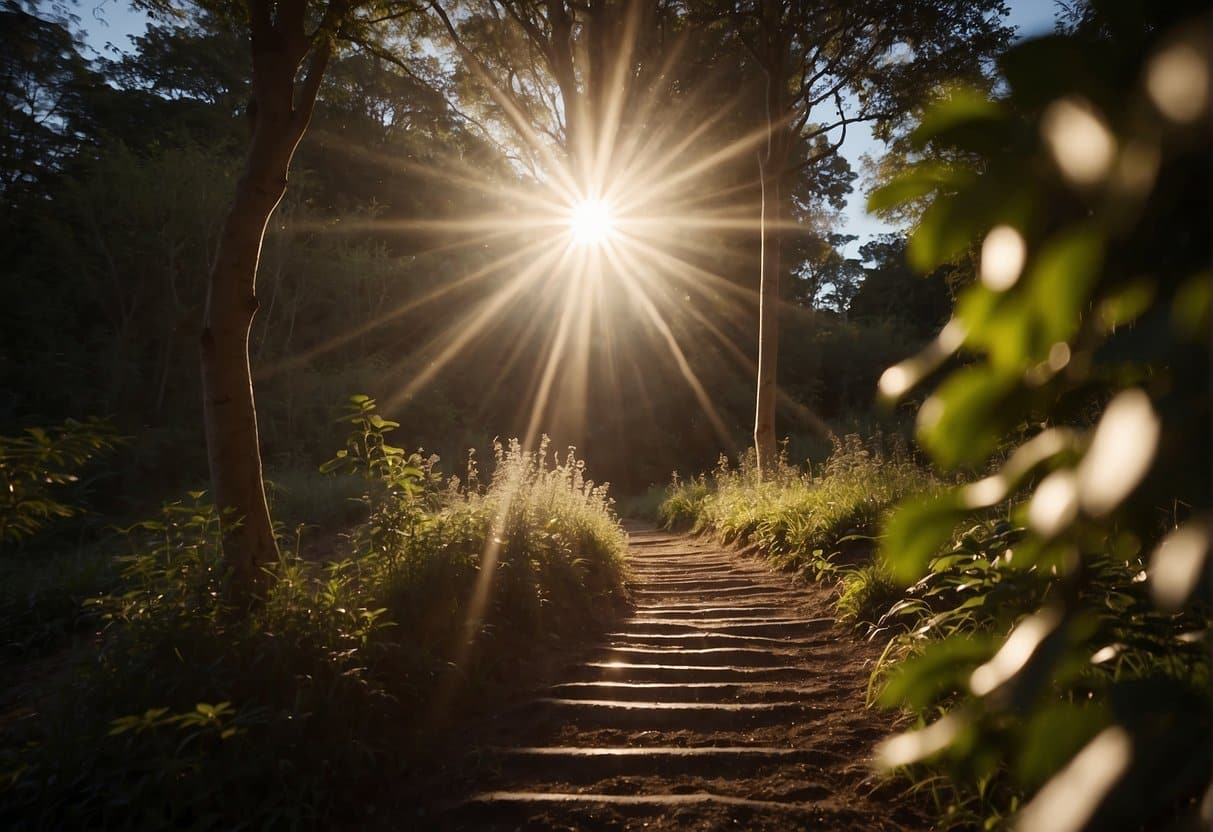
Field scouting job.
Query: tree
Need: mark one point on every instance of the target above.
(828, 65)
(827, 278)
(44, 87)
(892, 291)
(291, 44)
(184, 81)
(562, 74)
(280, 110)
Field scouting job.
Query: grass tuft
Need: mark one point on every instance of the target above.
(808, 521)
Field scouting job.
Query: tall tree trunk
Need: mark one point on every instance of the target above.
(233, 448)
(779, 145)
(281, 112)
(768, 320)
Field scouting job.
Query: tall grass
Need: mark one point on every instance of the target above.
(807, 520)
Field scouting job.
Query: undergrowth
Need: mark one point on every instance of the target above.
(939, 631)
(317, 704)
(813, 521)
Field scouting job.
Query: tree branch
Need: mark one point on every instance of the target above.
(305, 99)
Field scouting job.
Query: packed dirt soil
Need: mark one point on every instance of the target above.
(728, 700)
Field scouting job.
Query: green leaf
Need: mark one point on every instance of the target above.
(917, 531)
(1190, 308)
(917, 182)
(963, 421)
(1060, 281)
(962, 106)
(944, 667)
(946, 562)
(1126, 303)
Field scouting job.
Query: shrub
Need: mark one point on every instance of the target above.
(37, 466)
(314, 705)
(865, 594)
(682, 506)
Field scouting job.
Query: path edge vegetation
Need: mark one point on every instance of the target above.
(325, 701)
(1046, 606)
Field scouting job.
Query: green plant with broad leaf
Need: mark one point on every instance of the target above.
(394, 479)
(35, 468)
(368, 453)
(1059, 648)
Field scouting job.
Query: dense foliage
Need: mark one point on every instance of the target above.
(1053, 636)
(1080, 662)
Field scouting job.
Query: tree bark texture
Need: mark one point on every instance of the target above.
(773, 170)
(281, 110)
(768, 324)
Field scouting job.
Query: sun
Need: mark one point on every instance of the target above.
(591, 222)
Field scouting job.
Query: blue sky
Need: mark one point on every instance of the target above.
(110, 23)
(1030, 17)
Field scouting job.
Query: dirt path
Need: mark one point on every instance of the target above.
(728, 701)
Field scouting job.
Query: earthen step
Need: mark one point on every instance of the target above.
(708, 622)
(685, 691)
(704, 639)
(758, 628)
(673, 673)
(739, 656)
(645, 577)
(712, 584)
(712, 595)
(663, 769)
(754, 611)
(695, 561)
(786, 600)
(658, 568)
(507, 809)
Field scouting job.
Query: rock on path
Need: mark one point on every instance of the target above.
(729, 700)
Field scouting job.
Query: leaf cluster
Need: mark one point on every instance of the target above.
(37, 466)
(1066, 646)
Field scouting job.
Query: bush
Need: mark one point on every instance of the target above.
(36, 467)
(682, 507)
(866, 593)
(314, 705)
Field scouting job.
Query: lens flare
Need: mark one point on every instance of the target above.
(610, 252)
(591, 222)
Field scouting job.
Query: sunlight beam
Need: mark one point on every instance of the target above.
(654, 315)
(478, 323)
(592, 222)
